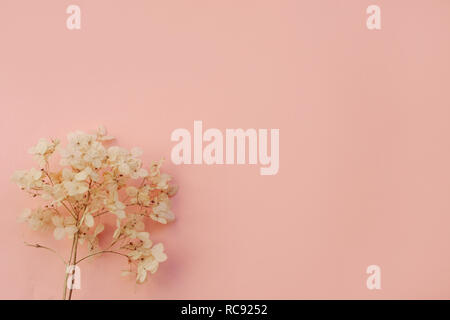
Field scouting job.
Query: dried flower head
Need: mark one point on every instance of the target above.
(94, 180)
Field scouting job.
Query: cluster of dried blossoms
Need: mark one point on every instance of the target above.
(93, 181)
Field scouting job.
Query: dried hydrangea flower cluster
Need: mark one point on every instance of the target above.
(93, 181)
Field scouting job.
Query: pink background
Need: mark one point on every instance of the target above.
(364, 141)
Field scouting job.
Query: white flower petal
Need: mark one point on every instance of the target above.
(99, 229)
(158, 252)
(59, 233)
(70, 230)
(89, 220)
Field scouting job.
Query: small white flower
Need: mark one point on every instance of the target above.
(43, 150)
(102, 134)
(26, 213)
(63, 227)
(28, 179)
(115, 205)
(158, 252)
(162, 213)
(151, 262)
(136, 152)
(72, 185)
(162, 181)
(145, 238)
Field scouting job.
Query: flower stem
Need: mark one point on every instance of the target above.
(74, 263)
(101, 252)
(37, 245)
(67, 275)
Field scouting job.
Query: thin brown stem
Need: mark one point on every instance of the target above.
(101, 213)
(104, 251)
(48, 175)
(70, 211)
(67, 274)
(37, 245)
(74, 264)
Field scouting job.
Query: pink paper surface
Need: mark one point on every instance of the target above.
(363, 115)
